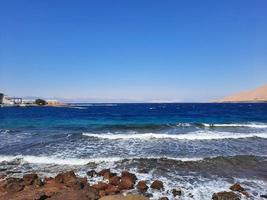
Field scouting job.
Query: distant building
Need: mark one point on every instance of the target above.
(7, 100)
(28, 101)
(16, 100)
(1, 98)
(52, 102)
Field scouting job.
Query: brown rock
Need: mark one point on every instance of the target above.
(177, 192)
(157, 185)
(115, 180)
(225, 196)
(126, 183)
(65, 177)
(13, 185)
(141, 186)
(28, 179)
(111, 190)
(100, 186)
(105, 173)
(127, 197)
(237, 187)
(129, 175)
(164, 198)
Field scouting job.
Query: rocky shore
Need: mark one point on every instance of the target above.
(111, 186)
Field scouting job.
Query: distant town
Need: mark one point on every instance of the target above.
(6, 101)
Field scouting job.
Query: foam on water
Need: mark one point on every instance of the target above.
(250, 125)
(78, 161)
(198, 135)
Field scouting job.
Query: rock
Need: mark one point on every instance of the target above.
(41, 196)
(112, 189)
(32, 179)
(126, 183)
(177, 192)
(164, 198)
(105, 173)
(91, 173)
(115, 180)
(141, 186)
(263, 196)
(129, 175)
(237, 187)
(14, 185)
(225, 196)
(65, 177)
(127, 197)
(100, 186)
(157, 185)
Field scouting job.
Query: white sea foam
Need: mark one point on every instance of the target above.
(198, 135)
(250, 125)
(79, 161)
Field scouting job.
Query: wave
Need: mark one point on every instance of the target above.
(250, 125)
(78, 161)
(198, 135)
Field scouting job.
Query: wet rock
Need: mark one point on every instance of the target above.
(14, 185)
(91, 173)
(129, 176)
(126, 183)
(100, 186)
(164, 198)
(225, 196)
(105, 173)
(177, 192)
(263, 196)
(127, 197)
(142, 186)
(115, 180)
(237, 187)
(157, 185)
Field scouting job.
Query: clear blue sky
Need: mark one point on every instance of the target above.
(144, 50)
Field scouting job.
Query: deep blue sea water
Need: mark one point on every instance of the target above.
(108, 133)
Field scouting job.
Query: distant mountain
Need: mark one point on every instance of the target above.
(257, 95)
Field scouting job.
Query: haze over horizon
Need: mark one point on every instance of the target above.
(132, 51)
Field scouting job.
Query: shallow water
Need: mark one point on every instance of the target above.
(202, 148)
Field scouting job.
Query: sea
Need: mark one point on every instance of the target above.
(201, 148)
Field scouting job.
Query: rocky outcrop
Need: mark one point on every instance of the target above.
(238, 188)
(142, 186)
(127, 197)
(157, 185)
(225, 196)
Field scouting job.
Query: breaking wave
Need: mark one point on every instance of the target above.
(198, 135)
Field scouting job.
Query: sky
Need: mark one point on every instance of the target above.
(132, 50)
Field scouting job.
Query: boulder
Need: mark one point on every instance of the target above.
(114, 180)
(129, 175)
(105, 173)
(127, 197)
(126, 183)
(237, 187)
(157, 185)
(142, 186)
(263, 196)
(176, 192)
(225, 196)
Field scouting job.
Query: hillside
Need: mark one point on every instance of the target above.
(257, 95)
